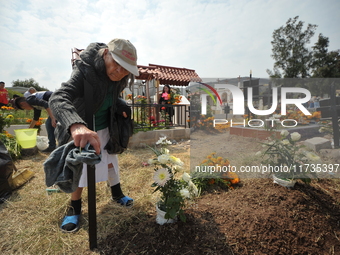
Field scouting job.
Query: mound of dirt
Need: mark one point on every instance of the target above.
(258, 217)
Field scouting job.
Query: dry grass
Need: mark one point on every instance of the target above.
(30, 220)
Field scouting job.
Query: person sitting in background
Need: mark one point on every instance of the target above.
(29, 92)
(37, 102)
(3, 94)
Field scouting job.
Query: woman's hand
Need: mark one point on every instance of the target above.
(82, 135)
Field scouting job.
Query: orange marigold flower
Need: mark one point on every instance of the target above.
(234, 179)
(211, 181)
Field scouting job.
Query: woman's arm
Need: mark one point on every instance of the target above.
(62, 100)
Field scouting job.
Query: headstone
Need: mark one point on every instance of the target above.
(318, 143)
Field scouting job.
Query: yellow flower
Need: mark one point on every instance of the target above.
(176, 161)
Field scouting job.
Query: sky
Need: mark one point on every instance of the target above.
(216, 38)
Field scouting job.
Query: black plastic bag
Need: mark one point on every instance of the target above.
(6, 170)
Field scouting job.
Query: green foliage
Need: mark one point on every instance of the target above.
(11, 144)
(27, 83)
(325, 64)
(6, 117)
(175, 192)
(13, 92)
(209, 182)
(290, 50)
(287, 152)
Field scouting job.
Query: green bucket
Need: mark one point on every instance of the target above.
(27, 137)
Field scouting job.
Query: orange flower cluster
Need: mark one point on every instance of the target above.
(141, 99)
(300, 117)
(38, 123)
(228, 178)
(176, 99)
(205, 123)
(208, 124)
(7, 108)
(129, 96)
(7, 134)
(315, 116)
(222, 127)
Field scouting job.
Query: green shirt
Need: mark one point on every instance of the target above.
(102, 116)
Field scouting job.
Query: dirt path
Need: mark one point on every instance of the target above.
(240, 151)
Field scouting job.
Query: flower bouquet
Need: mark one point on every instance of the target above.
(175, 97)
(289, 159)
(175, 192)
(5, 117)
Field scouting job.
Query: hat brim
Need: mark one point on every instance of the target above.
(131, 68)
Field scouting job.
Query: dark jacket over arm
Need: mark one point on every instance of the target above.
(68, 104)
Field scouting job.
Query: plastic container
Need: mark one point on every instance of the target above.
(27, 138)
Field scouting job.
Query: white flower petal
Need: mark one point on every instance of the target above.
(284, 133)
(186, 177)
(163, 159)
(161, 176)
(295, 136)
(185, 193)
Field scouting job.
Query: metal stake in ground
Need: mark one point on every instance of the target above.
(91, 184)
(91, 175)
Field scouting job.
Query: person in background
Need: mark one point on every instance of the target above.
(29, 92)
(3, 94)
(166, 100)
(317, 102)
(108, 68)
(311, 102)
(37, 102)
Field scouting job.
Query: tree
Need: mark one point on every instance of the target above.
(325, 64)
(290, 52)
(27, 83)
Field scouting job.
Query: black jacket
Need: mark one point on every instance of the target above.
(68, 104)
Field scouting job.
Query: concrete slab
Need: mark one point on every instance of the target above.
(318, 143)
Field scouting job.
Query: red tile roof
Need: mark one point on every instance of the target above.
(168, 75)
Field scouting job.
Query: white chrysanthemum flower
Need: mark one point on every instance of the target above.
(177, 168)
(185, 193)
(322, 129)
(163, 159)
(165, 151)
(161, 140)
(284, 133)
(193, 188)
(186, 177)
(176, 161)
(295, 136)
(312, 156)
(161, 176)
(153, 161)
(285, 142)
